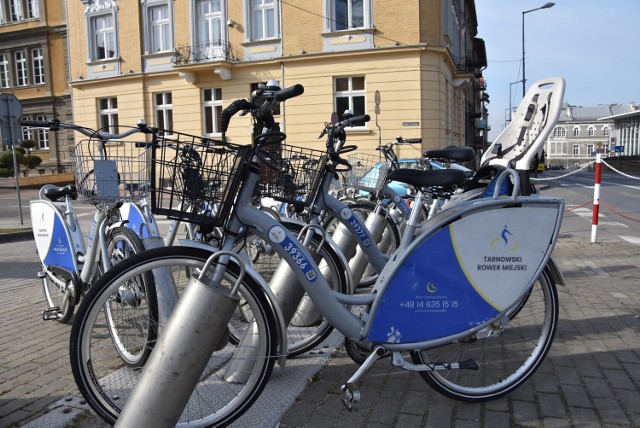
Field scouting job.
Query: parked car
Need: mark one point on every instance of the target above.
(371, 177)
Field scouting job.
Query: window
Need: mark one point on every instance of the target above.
(263, 19)
(164, 110)
(40, 136)
(576, 149)
(18, 10)
(4, 71)
(212, 108)
(103, 37)
(159, 28)
(559, 131)
(590, 149)
(605, 131)
(15, 10)
(350, 95)
(592, 131)
(210, 34)
(605, 149)
(21, 68)
(108, 114)
(37, 62)
(346, 14)
(576, 132)
(33, 9)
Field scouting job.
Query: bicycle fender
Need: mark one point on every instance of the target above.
(555, 271)
(249, 270)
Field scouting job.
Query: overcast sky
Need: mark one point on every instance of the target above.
(593, 44)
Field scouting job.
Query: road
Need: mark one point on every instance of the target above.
(619, 214)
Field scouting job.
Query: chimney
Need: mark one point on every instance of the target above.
(632, 106)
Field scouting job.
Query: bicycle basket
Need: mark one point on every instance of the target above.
(119, 173)
(368, 172)
(195, 179)
(292, 174)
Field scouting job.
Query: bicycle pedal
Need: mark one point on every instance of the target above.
(49, 314)
(42, 275)
(351, 396)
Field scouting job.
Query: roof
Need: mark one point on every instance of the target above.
(622, 115)
(571, 113)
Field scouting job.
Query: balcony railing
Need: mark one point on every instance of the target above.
(215, 51)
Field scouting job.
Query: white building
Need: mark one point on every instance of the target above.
(583, 131)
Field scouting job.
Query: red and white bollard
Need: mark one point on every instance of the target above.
(596, 198)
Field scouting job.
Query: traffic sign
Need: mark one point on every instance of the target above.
(10, 114)
(618, 149)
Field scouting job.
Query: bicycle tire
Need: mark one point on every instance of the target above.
(506, 360)
(106, 382)
(303, 335)
(122, 243)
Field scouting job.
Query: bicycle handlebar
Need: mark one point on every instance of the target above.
(56, 125)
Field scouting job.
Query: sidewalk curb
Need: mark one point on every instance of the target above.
(16, 236)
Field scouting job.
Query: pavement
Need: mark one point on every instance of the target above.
(591, 377)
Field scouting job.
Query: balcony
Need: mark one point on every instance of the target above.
(218, 51)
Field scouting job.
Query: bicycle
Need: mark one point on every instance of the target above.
(241, 367)
(68, 265)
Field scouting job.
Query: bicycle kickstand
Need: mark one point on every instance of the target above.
(351, 393)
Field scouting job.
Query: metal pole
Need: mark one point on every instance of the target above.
(596, 198)
(524, 78)
(15, 164)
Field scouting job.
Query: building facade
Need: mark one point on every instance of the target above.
(34, 67)
(581, 132)
(177, 64)
(625, 134)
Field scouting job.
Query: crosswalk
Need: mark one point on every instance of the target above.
(603, 221)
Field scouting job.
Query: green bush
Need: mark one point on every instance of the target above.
(32, 162)
(6, 172)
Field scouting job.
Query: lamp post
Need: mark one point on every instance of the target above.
(545, 6)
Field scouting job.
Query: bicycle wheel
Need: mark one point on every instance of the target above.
(58, 297)
(389, 241)
(307, 328)
(106, 382)
(129, 333)
(505, 359)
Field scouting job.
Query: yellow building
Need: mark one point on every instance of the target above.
(178, 63)
(33, 67)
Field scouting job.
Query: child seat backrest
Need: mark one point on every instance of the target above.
(518, 144)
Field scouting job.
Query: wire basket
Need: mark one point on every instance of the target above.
(195, 179)
(291, 174)
(368, 172)
(110, 172)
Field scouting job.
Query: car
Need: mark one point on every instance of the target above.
(371, 177)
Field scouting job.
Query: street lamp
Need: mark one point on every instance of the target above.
(545, 6)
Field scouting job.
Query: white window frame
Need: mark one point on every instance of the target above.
(576, 131)
(159, 32)
(107, 35)
(590, 149)
(331, 20)
(163, 110)
(15, 10)
(350, 93)
(33, 9)
(606, 131)
(211, 109)
(576, 149)
(259, 9)
(37, 66)
(5, 71)
(43, 135)
(22, 69)
(108, 115)
(591, 131)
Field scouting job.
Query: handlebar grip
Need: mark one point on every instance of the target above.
(293, 91)
(37, 123)
(233, 108)
(359, 120)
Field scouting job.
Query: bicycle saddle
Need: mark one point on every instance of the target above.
(57, 192)
(454, 153)
(420, 178)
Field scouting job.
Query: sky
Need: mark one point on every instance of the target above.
(593, 44)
